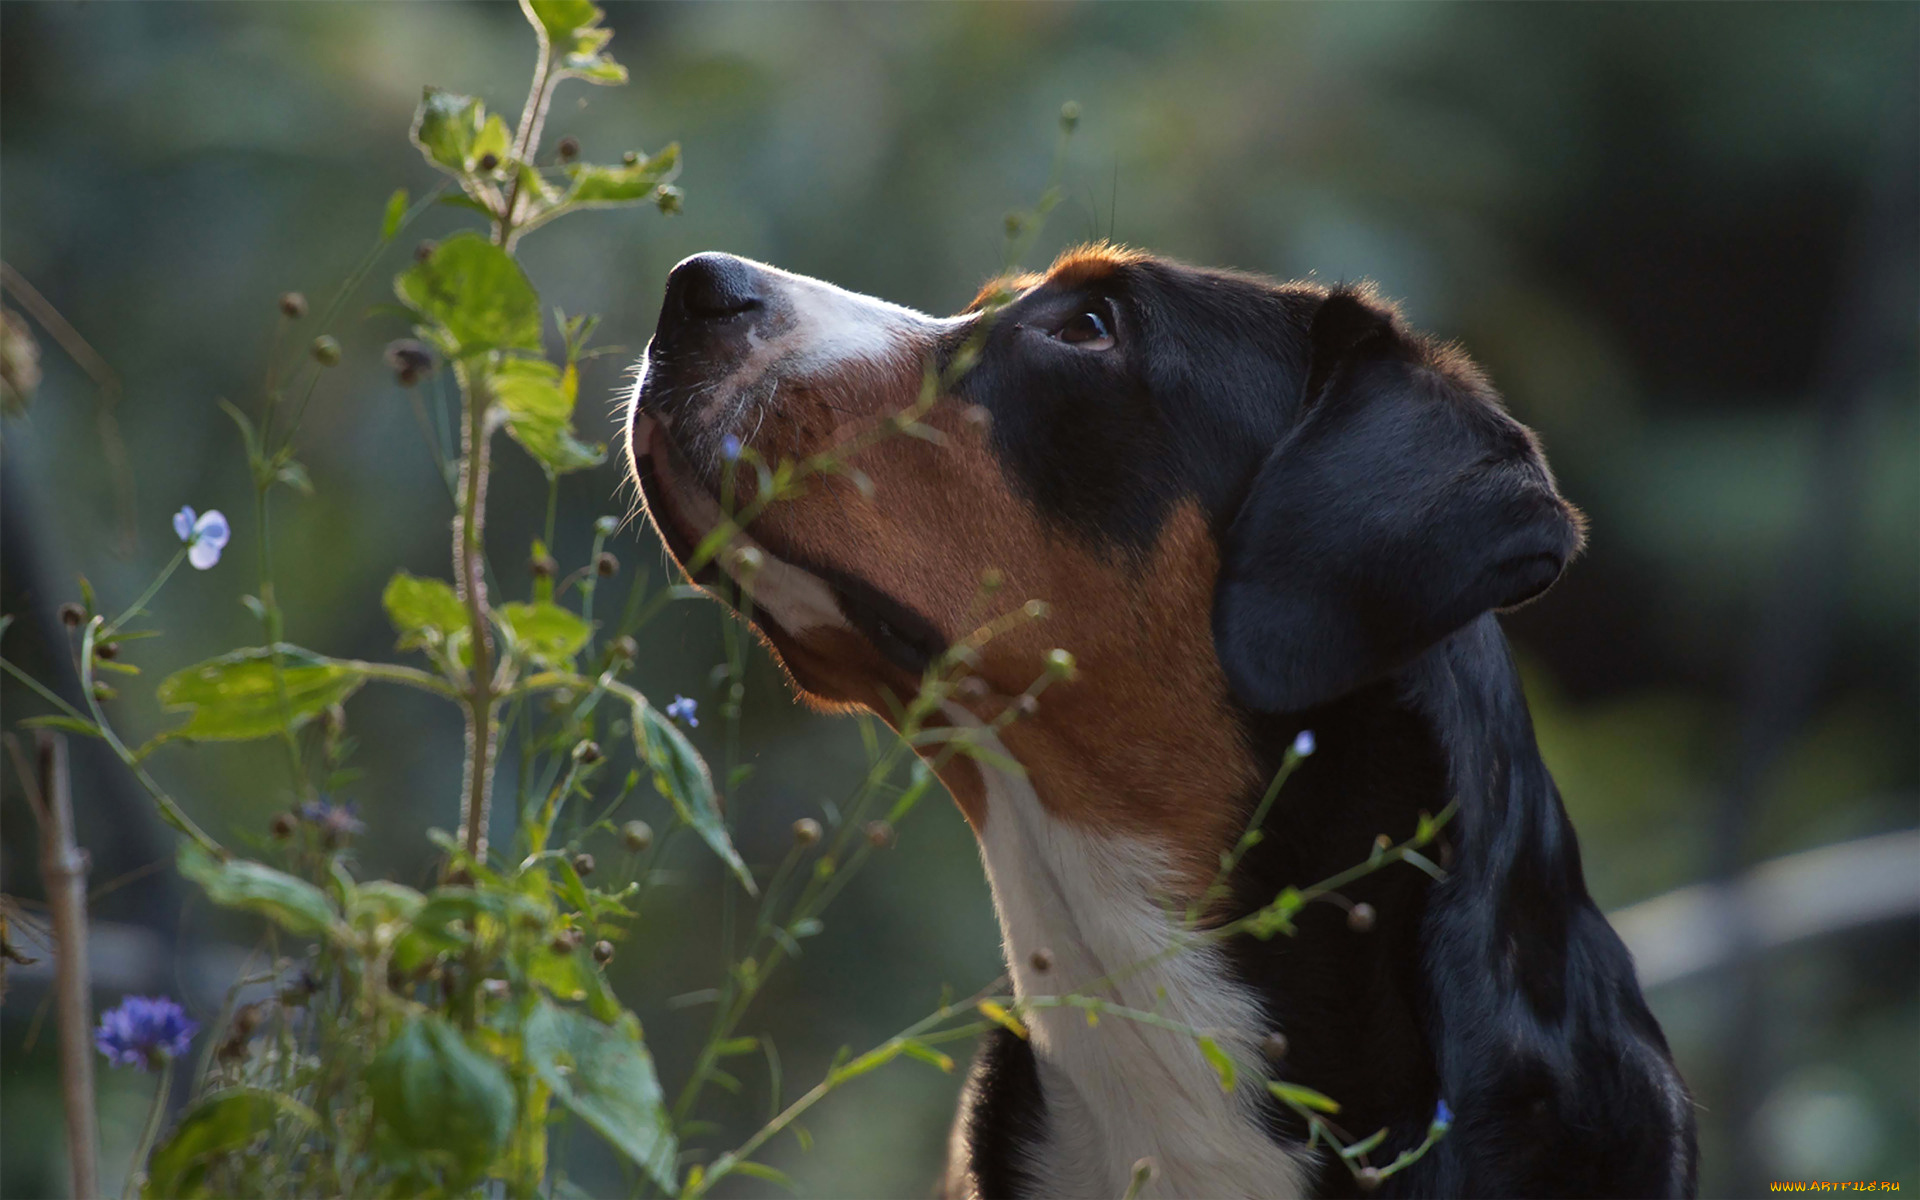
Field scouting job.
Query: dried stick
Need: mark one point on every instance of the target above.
(63, 867)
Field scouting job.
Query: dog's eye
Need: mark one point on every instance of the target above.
(1088, 331)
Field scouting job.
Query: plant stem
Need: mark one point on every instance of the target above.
(469, 568)
(526, 139)
(136, 1171)
(153, 588)
(63, 866)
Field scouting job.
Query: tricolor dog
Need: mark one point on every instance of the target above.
(1253, 509)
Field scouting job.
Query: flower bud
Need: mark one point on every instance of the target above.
(1368, 1178)
(879, 834)
(1070, 115)
(667, 200)
(1026, 705)
(1274, 1046)
(1036, 609)
(542, 566)
(748, 559)
(72, 615)
(1360, 918)
(637, 835)
(283, 826)
(102, 692)
(325, 350)
(806, 831)
(603, 952)
(1383, 843)
(409, 361)
(460, 877)
(1060, 664)
(587, 751)
(606, 564)
(607, 526)
(107, 651)
(489, 161)
(630, 158)
(424, 251)
(569, 148)
(625, 648)
(293, 305)
(583, 864)
(496, 989)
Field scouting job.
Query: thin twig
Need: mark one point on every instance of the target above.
(63, 867)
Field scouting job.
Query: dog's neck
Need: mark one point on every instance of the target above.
(1355, 999)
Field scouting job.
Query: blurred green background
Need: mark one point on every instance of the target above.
(1680, 238)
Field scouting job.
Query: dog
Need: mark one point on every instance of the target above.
(1253, 509)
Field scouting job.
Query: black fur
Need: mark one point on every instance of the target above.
(1373, 503)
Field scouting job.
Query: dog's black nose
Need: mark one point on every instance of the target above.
(712, 287)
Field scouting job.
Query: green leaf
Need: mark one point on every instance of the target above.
(559, 18)
(438, 1103)
(223, 1122)
(446, 127)
(594, 185)
(236, 696)
(396, 212)
(423, 610)
(604, 1074)
(534, 397)
(473, 293)
(293, 904)
(680, 774)
(1302, 1097)
(544, 632)
(1220, 1062)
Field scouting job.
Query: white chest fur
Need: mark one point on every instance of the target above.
(1122, 1090)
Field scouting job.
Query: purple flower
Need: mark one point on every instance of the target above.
(336, 822)
(144, 1031)
(1442, 1115)
(1303, 744)
(205, 535)
(683, 709)
(730, 447)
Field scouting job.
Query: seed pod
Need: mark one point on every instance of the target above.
(72, 615)
(1274, 1046)
(283, 826)
(588, 752)
(1383, 843)
(1360, 918)
(293, 305)
(1041, 959)
(879, 834)
(542, 566)
(1026, 705)
(489, 162)
(630, 158)
(806, 831)
(583, 864)
(325, 350)
(638, 835)
(107, 651)
(1069, 115)
(603, 952)
(625, 648)
(1368, 1178)
(569, 149)
(606, 564)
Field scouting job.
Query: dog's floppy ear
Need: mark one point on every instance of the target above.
(1403, 503)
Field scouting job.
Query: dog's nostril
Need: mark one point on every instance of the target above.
(710, 287)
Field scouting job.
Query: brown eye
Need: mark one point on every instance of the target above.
(1088, 331)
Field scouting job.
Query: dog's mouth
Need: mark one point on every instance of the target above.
(792, 595)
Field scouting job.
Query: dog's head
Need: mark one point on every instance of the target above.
(1234, 496)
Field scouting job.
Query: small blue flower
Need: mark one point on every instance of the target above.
(1442, 1115)
(730, 447)
(336, 822)
(683, 709)
(205, 535)
(1303, 745)
(144, 1031)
